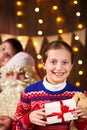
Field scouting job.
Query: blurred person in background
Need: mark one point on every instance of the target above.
(8, 49)
(15, 76)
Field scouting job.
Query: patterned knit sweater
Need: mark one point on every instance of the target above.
(34, 97)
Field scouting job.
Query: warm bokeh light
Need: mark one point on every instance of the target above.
(78, 14)
(40, 21)
(39, 56)
(55, 7)
(19, 38)
(59, 19)
(80, 26)
(80, 72)
(37, 9)
(19, 25)
(77, 84)
(40, 32)
(75, 2)
(60, 31)
(75, 49)
(76, 37)
(40, 65)
(20, 13)
(19, 3)
(80, 62)
(23, 39)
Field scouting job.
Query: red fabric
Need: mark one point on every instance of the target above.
(29, 101)
(58, 127)
(81, 125)
(26, 123)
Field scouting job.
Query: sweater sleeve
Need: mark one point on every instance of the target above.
(81, 125)
(21, 117)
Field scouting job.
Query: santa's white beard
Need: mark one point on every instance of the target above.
(10, 95)
(13, 83)
(12, 89)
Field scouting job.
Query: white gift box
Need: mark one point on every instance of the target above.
(60, 111)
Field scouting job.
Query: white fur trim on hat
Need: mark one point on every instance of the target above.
(21, 59)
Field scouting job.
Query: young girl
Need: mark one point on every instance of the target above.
(30, 113)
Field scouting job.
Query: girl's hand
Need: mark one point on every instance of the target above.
(80, 113)
(38, 117)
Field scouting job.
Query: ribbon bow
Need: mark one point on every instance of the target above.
(64, 109)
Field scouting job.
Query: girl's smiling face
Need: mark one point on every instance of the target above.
(58, 65)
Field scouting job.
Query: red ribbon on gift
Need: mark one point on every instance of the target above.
(64, 109)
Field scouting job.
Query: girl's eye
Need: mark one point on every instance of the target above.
(53, 62)
(65, 62)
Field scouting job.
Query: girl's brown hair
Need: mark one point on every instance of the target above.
(56, 45)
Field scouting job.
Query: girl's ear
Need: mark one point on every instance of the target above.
(43, 64)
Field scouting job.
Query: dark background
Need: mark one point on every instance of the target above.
(9, 19)
(66, 9)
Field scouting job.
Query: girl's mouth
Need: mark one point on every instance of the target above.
(58, 73)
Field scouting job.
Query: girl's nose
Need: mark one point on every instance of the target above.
(58, 66)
